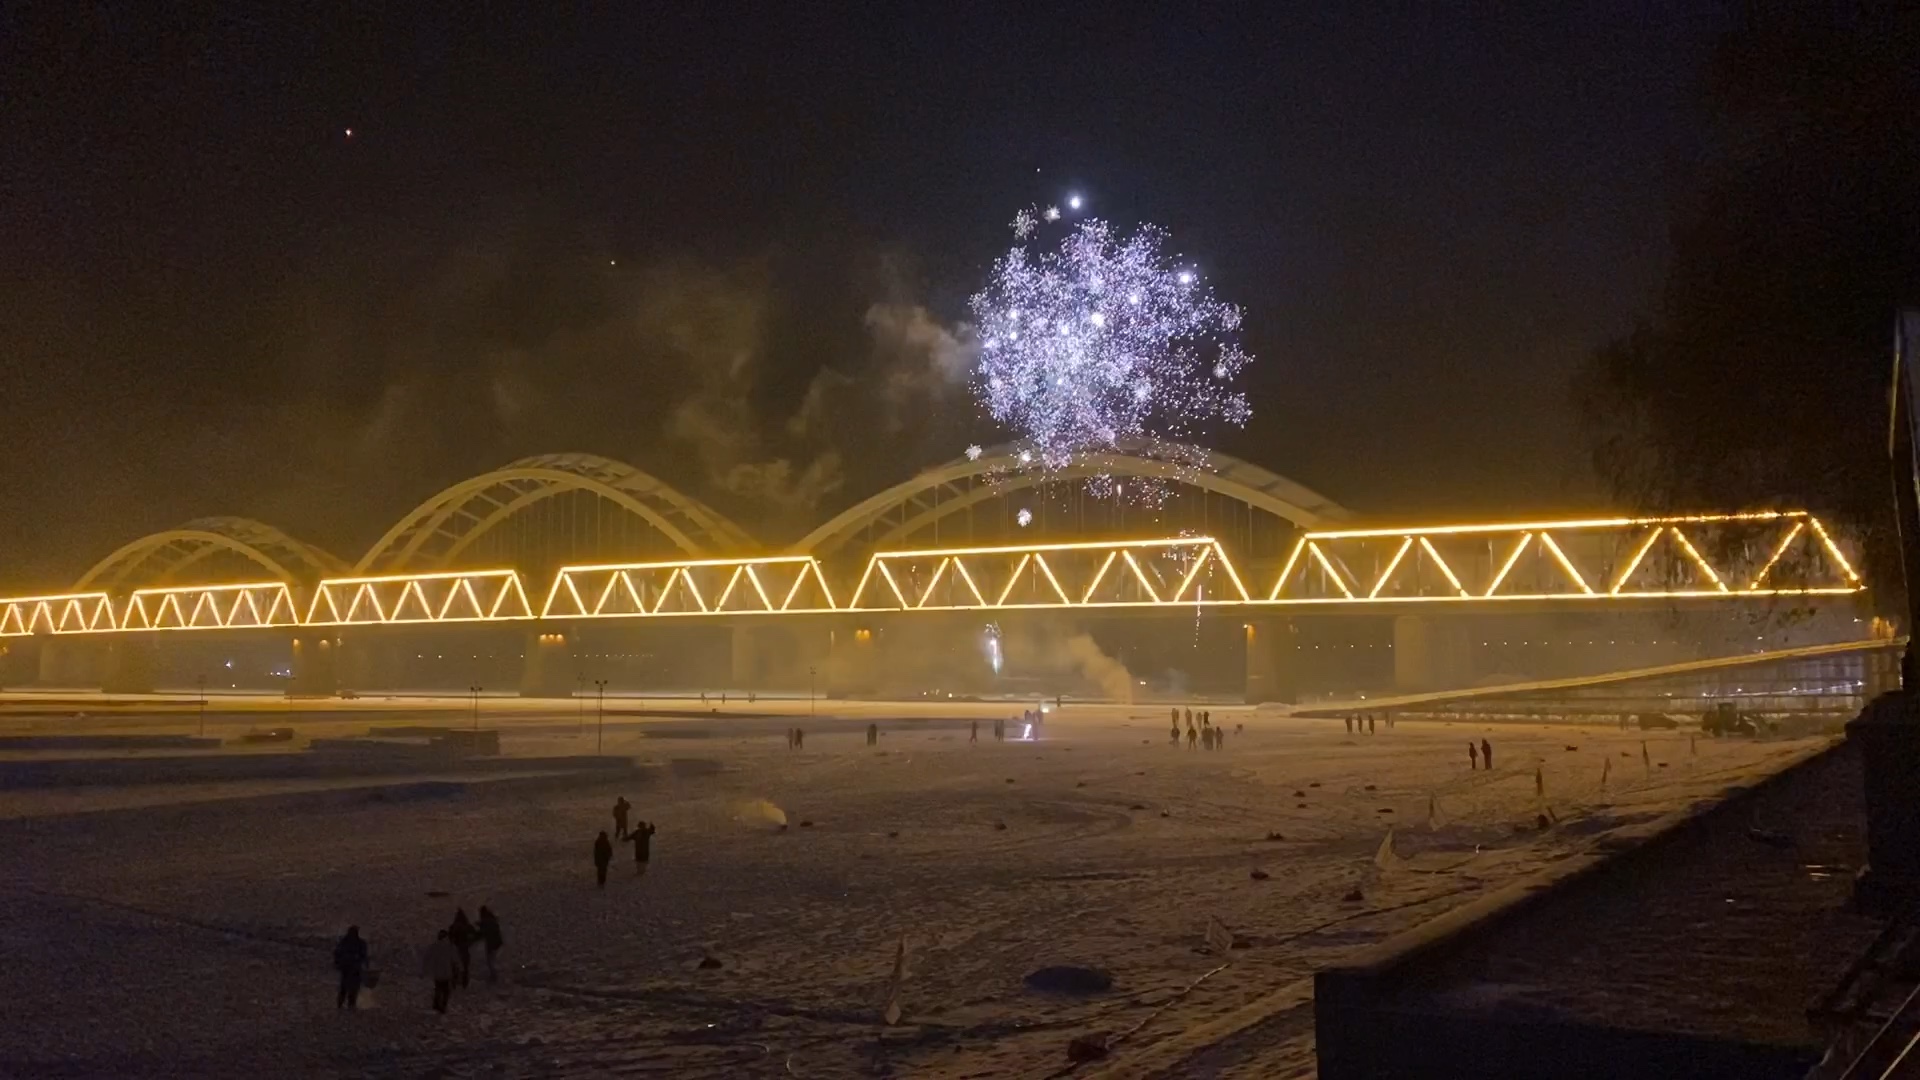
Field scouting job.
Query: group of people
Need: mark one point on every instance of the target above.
(639, 834)
(1365, 722)
(1203, 735)
(796, 739)
(1483, 753)
(448, 962)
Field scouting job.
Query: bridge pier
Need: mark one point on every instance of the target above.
(70, 664)
(130, 662)
(1431, 654)
(1272, 662)
(853, 660)
(549, 669)
(315, 667)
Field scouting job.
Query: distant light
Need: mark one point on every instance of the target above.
(349, 133)
(1073, 202)
(1186, 278)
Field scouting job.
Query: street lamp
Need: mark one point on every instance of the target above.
(475, 691)
(600, 732)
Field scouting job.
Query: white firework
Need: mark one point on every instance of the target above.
(1102, 341)
(974, 452)
(1024, 517)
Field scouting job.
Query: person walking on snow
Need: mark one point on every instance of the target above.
(1176, 727)
(490, 938)
(463, 935)
(1370, 730)
(1473, 756)
(602, 857)
(350, 960)
(1486, 753)
(1193, 737)
(1349, 720)
(642, 837)
(873, 734)
(620, 808)
(439, 963)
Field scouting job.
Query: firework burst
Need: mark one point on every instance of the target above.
(1103, 341)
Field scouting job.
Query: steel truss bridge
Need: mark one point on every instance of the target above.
(1583, 563)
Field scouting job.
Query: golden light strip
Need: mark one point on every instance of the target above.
(721, 604)
(861, 589)
(1779, 550)
(1561, 526)
(1427, 546)
(1233, 575)
(1634, 563)
(1286, 571)
(1141, 574)
(1688, 545)
(1192, 572)
(898, 595)
(1328, 567)
(1016, 549)
(1041, 561)
(1566, 563)
(939, 571)
(1833, 549)
(1392, 565)
(961, 568)
(1013, 580)
(759, 589)
(1099, 576)
(606, 593)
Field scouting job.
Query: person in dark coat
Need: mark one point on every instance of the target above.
(1486, 753)
(463, 935)
(1349, 721)
(1176, 727)
(973, 733)
(873, 734)
(350, 960)
(642, 837)
(440, 962)
(602, 857)
(490, 938)
(620, 808)
(1473, 755)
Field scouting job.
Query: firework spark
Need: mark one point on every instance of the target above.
(1105, 340)
(1024, 517)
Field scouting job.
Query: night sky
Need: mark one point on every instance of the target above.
(711, 243)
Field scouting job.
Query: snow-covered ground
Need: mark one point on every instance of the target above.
(193, 938)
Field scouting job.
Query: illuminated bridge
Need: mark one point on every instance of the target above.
(559, 544)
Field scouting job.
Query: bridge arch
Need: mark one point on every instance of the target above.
(433, 534)
(914, 504)
(159, 557)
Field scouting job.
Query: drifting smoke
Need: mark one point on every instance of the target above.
(1041, 655)
(759, 812)
(922, 362)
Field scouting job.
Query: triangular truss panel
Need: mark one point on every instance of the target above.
(245, 606)
(399, 599)
(1139, 573)
(778, 585)
(66, 613)
(1700, 557)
